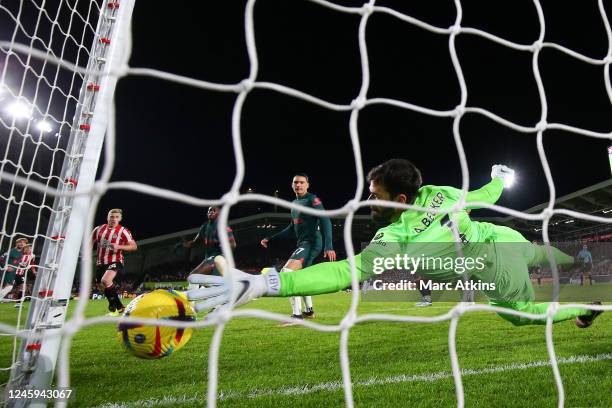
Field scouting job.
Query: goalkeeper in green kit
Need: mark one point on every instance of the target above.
(495, 257)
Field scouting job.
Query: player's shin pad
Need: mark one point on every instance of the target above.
(246, 287)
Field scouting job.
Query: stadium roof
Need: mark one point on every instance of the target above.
(593, 200)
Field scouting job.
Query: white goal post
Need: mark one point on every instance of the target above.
(108, 53)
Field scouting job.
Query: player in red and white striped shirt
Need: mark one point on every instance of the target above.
(25, 269)
(112, 239)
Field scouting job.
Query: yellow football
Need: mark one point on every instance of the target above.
(152, 342)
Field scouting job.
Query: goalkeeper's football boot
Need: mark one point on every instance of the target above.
(309, 313)
(113, 314)
(585, 321)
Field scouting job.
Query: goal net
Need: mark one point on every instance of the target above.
(59, 63)
(55, 96)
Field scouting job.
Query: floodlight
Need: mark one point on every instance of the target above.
(509, 181)
(19, 110)
(44, 126)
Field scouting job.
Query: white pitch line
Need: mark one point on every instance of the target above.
(337, 385)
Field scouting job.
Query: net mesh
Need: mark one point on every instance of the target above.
(17, 197)
(39, 99)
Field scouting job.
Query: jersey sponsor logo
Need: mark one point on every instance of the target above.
(316, 201)
(26, 262)
(105, 238)
(377, 239)
(298, 220)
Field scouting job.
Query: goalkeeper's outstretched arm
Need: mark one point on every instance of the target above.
(489, 193)
(501, 176)
(326, 277)
(322, 278)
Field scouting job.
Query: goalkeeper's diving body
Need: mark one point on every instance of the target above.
(502, 255)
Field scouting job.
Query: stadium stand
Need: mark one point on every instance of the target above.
(595, 200)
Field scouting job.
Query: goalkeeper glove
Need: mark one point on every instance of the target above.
(246, 288)
(505, 173)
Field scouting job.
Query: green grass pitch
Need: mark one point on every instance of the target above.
(392, 364)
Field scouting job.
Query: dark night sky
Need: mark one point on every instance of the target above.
(178, 137)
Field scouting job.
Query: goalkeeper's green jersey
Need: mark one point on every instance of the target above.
(419, 234)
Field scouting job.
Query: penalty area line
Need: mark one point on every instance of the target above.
(337, 385)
